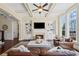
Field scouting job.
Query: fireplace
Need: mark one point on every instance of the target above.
(39, 36)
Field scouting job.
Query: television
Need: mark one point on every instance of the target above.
(39, 25)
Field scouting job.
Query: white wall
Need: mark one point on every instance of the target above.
(15, 28)
(22, 29)
(8, 32)
(47, 32)
(11, 32)
(77, 34)
(47, 35)
(38, 31)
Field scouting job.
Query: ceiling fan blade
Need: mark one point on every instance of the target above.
(34, 9)
(35, 5)
(45, 10)
(45, 4)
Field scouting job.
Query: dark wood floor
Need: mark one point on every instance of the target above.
(8, 44)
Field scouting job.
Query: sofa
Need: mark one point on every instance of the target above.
(43, 52)
(16, 53)
(33, 52)
(67, 45)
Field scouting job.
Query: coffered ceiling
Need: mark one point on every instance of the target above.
(55, 9)
(43, 13)
(25, 9)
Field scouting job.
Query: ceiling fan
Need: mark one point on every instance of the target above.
(40, 8)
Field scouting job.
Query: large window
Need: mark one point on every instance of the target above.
(62, 24)
(72, 23)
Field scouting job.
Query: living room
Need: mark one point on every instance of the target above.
(39, 29)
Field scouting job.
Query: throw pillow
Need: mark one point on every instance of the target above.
(22, 48)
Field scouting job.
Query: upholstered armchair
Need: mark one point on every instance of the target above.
(68, 43)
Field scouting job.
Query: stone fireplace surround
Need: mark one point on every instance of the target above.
(39, 36)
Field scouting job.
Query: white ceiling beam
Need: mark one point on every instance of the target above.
(28, 9)
(51, 7)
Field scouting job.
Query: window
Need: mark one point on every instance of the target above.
(62, 24)
(72, 23)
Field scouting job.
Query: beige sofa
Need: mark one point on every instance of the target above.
(33, 52)
(67, 45)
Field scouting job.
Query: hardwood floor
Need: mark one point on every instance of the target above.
(8, 44)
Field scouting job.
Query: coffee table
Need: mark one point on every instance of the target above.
(44, 44)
